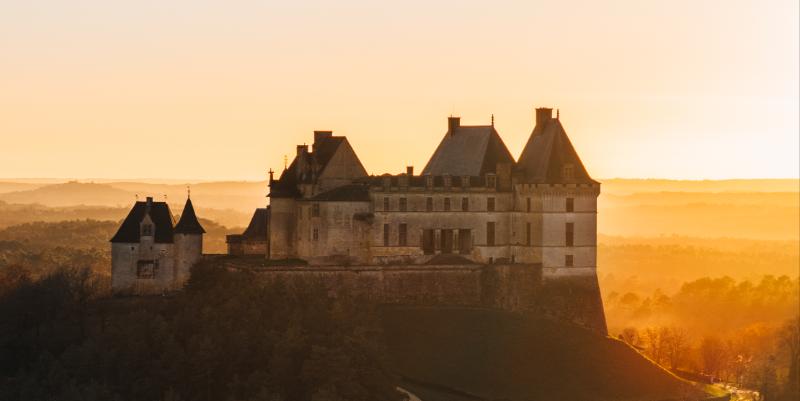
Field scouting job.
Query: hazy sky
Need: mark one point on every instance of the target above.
(223, 90)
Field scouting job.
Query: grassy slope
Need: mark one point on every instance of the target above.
(495, 355)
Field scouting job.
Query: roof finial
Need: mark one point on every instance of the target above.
(492, 119)
(188, 192)
(285, 162)
(165, 197)
(137, 197)
(558, 113)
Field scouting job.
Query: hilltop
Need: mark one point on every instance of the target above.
(476, 354)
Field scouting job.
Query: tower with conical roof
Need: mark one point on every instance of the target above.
(557, 201)
(188, 243)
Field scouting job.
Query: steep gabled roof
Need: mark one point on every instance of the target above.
(547, 152)
(468, 150)
(257, 229)
(324, 149)
(162, 221)
(188, 223)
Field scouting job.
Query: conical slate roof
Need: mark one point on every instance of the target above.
(188, 223)
(546, 155)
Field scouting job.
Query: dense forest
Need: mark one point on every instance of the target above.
(224, 338)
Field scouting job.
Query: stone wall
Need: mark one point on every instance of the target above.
(515, 287)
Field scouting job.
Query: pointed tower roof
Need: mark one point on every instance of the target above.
(188, 223)
(549, 153)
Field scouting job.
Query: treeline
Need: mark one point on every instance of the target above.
(645, 264)
(744, 332)
(709, 305)
(763, 358)
(225, 337)
(42, 247)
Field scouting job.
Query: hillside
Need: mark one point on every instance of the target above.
(459, 354)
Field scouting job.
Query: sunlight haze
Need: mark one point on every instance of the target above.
(223, 90)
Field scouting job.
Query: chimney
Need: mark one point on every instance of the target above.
(543, 115)
(409, 171)
(452, 124)
(318, 137)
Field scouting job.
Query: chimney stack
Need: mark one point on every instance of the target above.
(452, 124)
(318, 137)
(543, 115)
(409, 171)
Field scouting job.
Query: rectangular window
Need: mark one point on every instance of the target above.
(429, 204)
(428, 241)
(568, 260)
(464, 204)
(465, 181)
(528, 234)
(146, 269)
(570, 234)
(464, 241)
(385, 235)
(491, 181)
(528, 202)
(490, 233)
(403, 204)
(315, 234)
(490, 204)
(570, 205)
(315, 210)
(446, 204)
(403, 236)
(386, 204)
(147, 230)
(569, 171)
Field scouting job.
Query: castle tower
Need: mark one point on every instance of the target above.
(188, 244)
(556, 202)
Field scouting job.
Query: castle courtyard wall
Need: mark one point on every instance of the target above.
(523, 288)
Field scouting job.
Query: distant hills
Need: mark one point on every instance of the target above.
(767, 209)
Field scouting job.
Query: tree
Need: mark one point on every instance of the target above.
(676, 341)
(712, 355)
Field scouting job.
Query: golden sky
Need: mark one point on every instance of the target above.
(223, 90)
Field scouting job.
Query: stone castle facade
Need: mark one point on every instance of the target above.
(150, 254)
(475, 228)
(472, 202)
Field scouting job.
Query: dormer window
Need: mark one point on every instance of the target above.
(568, 171)
(147, 230)
(465, 181)
(447, 181)
(491, 181)
(429, 181)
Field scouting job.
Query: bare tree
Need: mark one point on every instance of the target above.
(713, 355)
(631, 336)
(676, 341)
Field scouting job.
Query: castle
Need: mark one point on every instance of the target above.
(472, 200)
(475, 228)
(150, 254)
